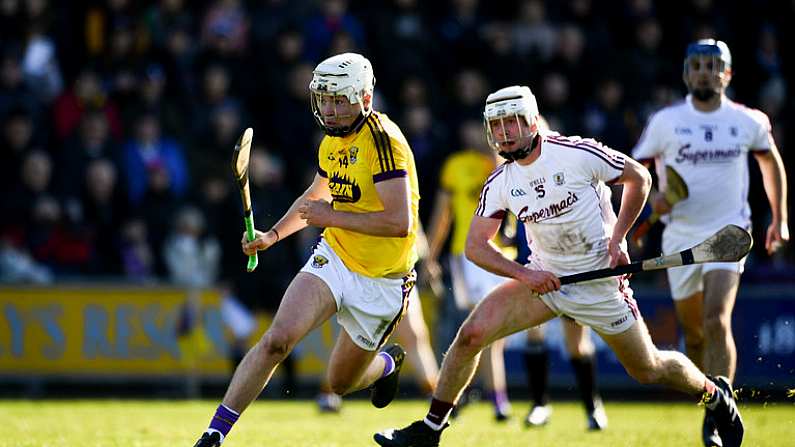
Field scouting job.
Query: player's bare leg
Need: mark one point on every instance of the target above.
(581, 351)
(352, 368)
(720, 293)
(507, 309)
(412, 333)
(647, 364)
(690, 313)
(413, 336)
(307, 303)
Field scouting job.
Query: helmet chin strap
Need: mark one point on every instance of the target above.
(703, 94)
(344, 131)
(521, 153)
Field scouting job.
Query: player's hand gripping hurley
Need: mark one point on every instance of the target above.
(240, 168)
(730, 244)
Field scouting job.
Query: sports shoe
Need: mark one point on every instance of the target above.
(329, 403)
(384, 390)
(418, 434)
(722, 409)
(709, 432)
(502, 411)
(538, 416)
(209, 440)
(502, 415)
(597, 419)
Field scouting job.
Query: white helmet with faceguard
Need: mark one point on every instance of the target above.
(711, 55)
(516, 102)
(347, 75)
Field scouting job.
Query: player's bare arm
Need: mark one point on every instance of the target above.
(775, 180)
(393, 221)
(659, 204)
(291, 222)
(482, 251)
(439, 228)
(637, 182)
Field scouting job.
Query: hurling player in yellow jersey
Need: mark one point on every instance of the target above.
(366, 197)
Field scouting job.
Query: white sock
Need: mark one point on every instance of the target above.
(212, 430)
(389, 368)
(435, 427)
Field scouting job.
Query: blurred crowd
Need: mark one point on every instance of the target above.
(118, 117)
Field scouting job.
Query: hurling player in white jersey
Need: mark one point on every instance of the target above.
(557, 187)
(706, 139)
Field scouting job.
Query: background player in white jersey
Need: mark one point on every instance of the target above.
(706, 139)
(557, 187)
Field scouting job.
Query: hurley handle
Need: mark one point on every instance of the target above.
(252, 259)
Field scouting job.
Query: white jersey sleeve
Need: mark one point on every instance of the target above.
(493, 202)
(652, 140)
(607, 164)
(763, 138)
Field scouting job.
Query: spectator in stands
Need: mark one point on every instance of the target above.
(14, 92)
(92, 141)
(192, 256)
(86, 92)
(320, 28)
(104, 208)
(162, 16)
(39, 62)
(605, 116)
(137, 257)
(225, 26)
(533, 35)
(17, 139)
(153, 162)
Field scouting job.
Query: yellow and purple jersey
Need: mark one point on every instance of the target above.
(353, 164)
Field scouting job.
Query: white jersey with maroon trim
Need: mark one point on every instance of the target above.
(562, 199)
(710, 153)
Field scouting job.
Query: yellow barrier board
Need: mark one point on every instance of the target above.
(113, 331)
(110, 331)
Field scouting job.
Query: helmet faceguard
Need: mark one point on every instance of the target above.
(349, 76)
(511, 104)
(712, 56)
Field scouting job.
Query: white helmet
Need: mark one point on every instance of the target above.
(514, 101)
(349, 75)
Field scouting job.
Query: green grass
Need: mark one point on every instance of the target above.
(110, 423)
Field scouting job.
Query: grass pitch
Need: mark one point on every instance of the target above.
(111, 423)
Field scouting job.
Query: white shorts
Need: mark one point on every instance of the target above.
(471, 283)
(689, 279)
(606, 305)
(369, 309)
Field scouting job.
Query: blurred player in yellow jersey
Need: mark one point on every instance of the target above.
(366, 197)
